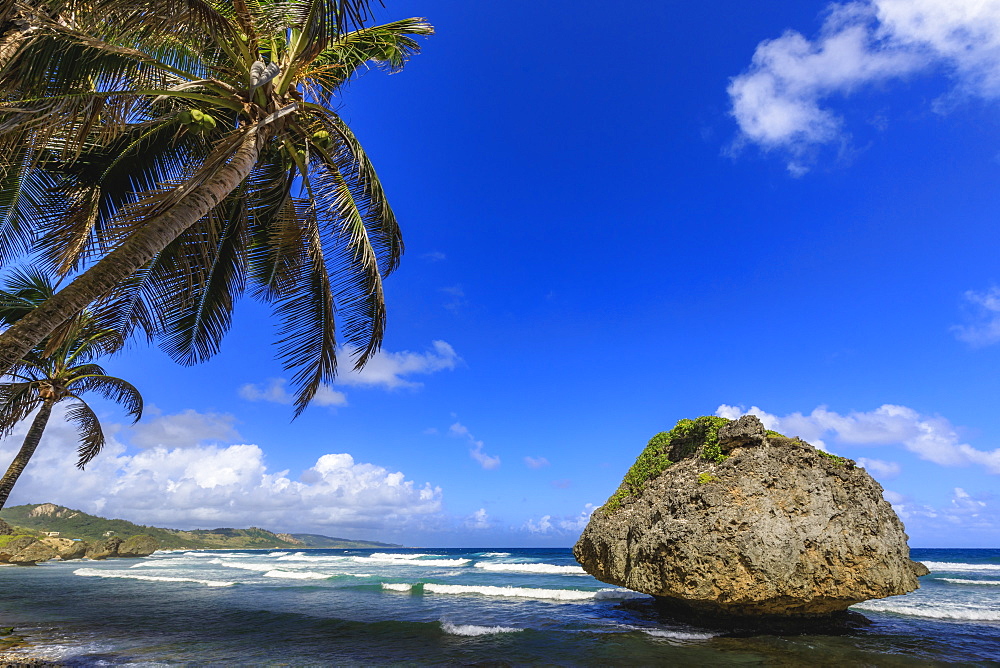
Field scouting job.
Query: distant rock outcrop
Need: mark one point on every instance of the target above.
(138, 546)
(66, 548)
(722, 518)
(32, 554)
(13, 546)
(104, 548)
(6, 529)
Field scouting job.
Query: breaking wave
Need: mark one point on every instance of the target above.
(473, 630)
(128, 575)
(993, 583)
(392, 586)
(952, 567)
(530, 592)
(296, 575)
(530, 568)
(969, 613)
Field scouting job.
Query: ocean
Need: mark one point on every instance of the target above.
(489, 607)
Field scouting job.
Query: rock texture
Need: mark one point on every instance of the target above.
(66, 548)
(13, 546)
(138, 546)
(5, 529)
(32, 554)
(777, 528)
(104, 549)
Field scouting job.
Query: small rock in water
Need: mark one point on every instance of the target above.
(720, 518)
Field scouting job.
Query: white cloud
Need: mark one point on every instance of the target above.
(385, 369)
(214, 485)
(478, 520)
(879, 468)
(185, 429)
(779, 102)
(488, 462)
(535, 462)
(986, 328)
(932, 438)
(973, 518)
(275, 393)
(544, 525)
(574, 524)
(434, 256)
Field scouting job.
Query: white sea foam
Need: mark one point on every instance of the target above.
(296, 575)
(496, 554)
(618, 595)
(993, 583)
(968, 613)
(199, 554)
(530, 568)
(243, 565)
(128, 575)
(395, 555)
(301, 556)
(399, 561)
(393, 586)
(473, 630)
(530, 592)
(276, 554)
(951, 567)
(676, 635)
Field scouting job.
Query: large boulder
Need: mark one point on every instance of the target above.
(32, 554)
(104, 548)
(13, 546)
(66, 548)
(6, 529)
(723, 519)
(138, 546)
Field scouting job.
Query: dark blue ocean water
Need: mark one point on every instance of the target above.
(454, 607)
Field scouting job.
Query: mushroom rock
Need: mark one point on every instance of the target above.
(722, 518)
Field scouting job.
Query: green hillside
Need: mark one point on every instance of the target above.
(77, 524)
(318, 541)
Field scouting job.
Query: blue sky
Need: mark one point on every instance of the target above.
(615, 220)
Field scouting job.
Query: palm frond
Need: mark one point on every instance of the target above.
(17, 401)
(200, 312)
(89, 429)
(387, 46)
(113, 389)
(307, 337)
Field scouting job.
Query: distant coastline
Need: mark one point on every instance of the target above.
(48, 519)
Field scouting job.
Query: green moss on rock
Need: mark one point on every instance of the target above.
(687, 439)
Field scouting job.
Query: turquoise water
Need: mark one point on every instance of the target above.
(452, 606)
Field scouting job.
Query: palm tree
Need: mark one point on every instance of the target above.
(43, 378)
(179, 150)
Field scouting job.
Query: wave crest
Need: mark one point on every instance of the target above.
(473, 630)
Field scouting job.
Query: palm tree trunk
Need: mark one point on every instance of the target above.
(153, 236)
(27, 450)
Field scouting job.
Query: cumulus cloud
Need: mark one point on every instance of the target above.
(985, 328)
(535, 462)
(488, 462)
(182, 430)
(478, 520)
(215, 485)
(879, 468)
(274, 391)
(572, 524)
(387, 370)
(932, 438)
(975, 517)
(782, 101)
